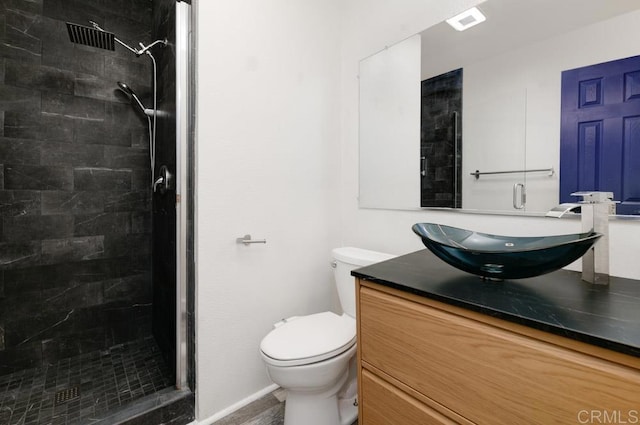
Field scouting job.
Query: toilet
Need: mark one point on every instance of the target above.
(313, 357)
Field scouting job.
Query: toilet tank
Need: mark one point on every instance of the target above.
(346, 259)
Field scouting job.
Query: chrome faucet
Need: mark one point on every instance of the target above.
(562, 209)
(595, 208)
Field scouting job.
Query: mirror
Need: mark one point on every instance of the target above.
(512, 66)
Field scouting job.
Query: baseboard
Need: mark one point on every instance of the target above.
(240, 404)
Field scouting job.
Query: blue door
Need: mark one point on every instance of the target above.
(600, 132)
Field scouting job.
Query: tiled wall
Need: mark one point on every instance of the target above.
(164, 205)
(74, 182)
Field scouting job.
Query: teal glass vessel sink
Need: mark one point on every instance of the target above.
(503, 257)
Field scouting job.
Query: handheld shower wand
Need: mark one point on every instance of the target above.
(150, 113)
(132, 95)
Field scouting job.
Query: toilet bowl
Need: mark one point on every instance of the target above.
(313, 356)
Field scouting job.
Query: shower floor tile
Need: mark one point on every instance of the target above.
(105, 380)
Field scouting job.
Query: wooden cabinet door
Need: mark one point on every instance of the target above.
(383, 404)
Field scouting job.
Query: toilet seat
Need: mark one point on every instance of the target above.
(309, 339)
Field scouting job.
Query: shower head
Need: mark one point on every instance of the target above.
(93, 37)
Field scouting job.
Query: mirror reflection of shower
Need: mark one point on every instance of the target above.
(95, 36)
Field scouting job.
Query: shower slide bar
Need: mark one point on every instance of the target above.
(551, 172)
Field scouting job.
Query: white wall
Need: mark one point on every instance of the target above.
(369, 26)
(267, 164)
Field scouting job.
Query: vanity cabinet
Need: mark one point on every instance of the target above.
(422, 361)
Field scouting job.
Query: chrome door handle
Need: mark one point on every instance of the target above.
(519, 201)
(246, 239)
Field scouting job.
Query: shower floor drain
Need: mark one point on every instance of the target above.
(66, 395)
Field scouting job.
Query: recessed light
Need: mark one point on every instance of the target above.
(467, 19)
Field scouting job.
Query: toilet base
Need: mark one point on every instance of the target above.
(320, 409)
(348, 410)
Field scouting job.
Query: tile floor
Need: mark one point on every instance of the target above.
(268, 410)
(105, 380)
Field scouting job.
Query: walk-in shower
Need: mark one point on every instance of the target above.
(93, 298)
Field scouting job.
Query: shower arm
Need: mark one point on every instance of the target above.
(145, 49)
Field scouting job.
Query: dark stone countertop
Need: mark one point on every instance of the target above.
(558, 302)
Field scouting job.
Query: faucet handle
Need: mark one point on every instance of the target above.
(164, 182)
(594, 197)
(159, 181)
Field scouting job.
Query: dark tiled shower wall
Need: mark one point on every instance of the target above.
(75, 227)
(164, 204)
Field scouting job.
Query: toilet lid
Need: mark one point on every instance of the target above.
(310, 339)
